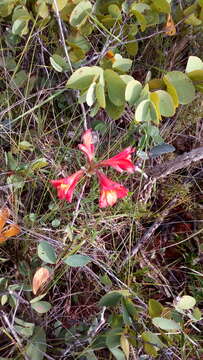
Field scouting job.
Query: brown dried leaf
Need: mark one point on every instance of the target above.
(13, 230)
(40, 278)
(4, 215)
(2, 238)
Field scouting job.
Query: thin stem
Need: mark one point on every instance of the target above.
(78, 204)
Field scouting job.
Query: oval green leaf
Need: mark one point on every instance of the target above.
(186, 302)
(182, 84)
(162, 6)
(58, 63)
(90, 97)
(37, 345)
(82, 78)
(146, 112)
(41, 306)
(166, 324)
(115, 86)
(132, 91)
(114, 111)
(77, 260)
(122, 65)
(194, 63)
(100, 95)
(110, 299)
(155, 308)
(80, 12)
(166, 104)
(46, 252)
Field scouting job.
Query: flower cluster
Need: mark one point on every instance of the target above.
(110, 190)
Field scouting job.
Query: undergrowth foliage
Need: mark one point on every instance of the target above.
(75, 281)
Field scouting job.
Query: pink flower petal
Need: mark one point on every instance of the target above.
(122, 161)
(66, 186)
(110, 191)
(87, 147)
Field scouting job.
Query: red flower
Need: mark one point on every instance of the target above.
(87, 147)
(122, 161)
(66, 186)
(110, 191)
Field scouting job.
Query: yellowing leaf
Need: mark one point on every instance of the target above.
(125, 346)
(60, 4)
(80, 13)
(40, 278)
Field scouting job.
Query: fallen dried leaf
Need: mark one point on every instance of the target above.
(40, 278)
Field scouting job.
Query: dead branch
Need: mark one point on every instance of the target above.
(159, 172)
(180, 162)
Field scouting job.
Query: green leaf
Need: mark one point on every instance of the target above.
(36, 347)
(100, 95)
(126, 78)
(90, 355)
(77, 260)
(146, 112)
(132, 48)
(19, 80)
(20, 20)
(37, 298)
(122, 64)
(58, 63)
(56, 223)
(11, 161)
(115, 87)
(138, 9)
(113, 338)
(166, 104)
(114, 11)
(110, 299)
(194, 63)
(80, 13)
(155, 308)
(19, 27)
(82, 78)
(6, 7)
(182, 84)
(114, 111)
(125, 346)
(41, 307)
(186, 302)
(192, 20)
(159, 150)
(24, 331)
(197, 314)
(39, 164)
(162, 6)
(148, 336)
(24, 323)
(25, 145)
(130, 307)
(152, 343)
(166, 324)
(46, 252)
(90, 97)
(132, 91)
(60, 4)
(43, 10)
(99, 125)
(118, 354)
(140, 19)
